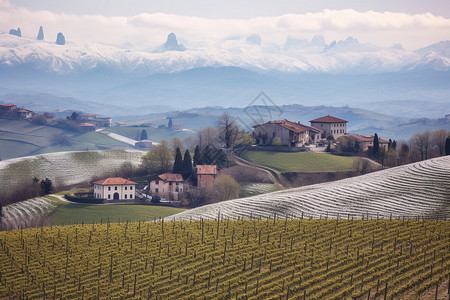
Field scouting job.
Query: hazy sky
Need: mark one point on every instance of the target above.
(412, 23)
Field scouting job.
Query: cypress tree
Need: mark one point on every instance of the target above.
(170, 124)
(198, 157)
(143, 135)
(187, 165)
(376, 144)
(207, 156)
(178, 165)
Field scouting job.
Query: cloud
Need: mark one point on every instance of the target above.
(152, 29)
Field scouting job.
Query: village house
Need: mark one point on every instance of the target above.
(206, 174)
(366, 142)
(114, 188)
(330, 126)
(87, 127)
(167, 185)
(7, 107)
(291, 134)
(143, 145)
(24, 113)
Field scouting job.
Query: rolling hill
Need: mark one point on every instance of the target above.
(418, 189)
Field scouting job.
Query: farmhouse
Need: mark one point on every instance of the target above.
(87, 127)
(291, 134)
(366, 142)
(7, 107)
(24, 113)
(114, 188)
(206, 174)
(167, 185)
(330, 126)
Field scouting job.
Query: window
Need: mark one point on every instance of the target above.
(157, 182)
(178, 183)
(156, 190)
(126, 188)
(176, 190)
(131, 196)
(321, 125)
(273, 135)
(115, 188)
(109, 188)
(170, 183)
(131, 188)
(109, 196)
(181, 190)
(125, 196)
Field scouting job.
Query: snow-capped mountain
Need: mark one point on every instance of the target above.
(297, 56)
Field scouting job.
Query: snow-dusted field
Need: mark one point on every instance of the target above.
(419, 189)
(26, 213)
(65, 167)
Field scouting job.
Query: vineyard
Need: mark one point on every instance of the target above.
(65, 167)
(418, 189)
(222, 259)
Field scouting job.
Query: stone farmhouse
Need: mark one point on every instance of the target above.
(114, 188)
(12, 111)
(366, 142)
(167, 185)
(291, 134)
(330, 126)
(206, 174)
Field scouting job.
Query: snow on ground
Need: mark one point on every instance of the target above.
(418, 189)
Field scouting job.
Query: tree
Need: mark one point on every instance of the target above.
(143, 135)
(276, 141)
(376, 145)
(394, 145)
(198, 157)
(228, 130)
(158, 159)
(330, 138)
(421, 143)
(178, 164)
(170, 123)
(46, 186)
(362, 166)
(403, 154)
(447, 146)
(207, 137)
(189, 143)
(187, 165)
(175, 142)
(223, 188)
(438, 139)
(245, 139)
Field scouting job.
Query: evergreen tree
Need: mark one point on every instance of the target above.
(143, 135)
(46, 186)
(187, 165)
(394, 145)
(170, 123)
(178, 164)
(198, 157)
(207, 156)
(376, 145)
(447, 146)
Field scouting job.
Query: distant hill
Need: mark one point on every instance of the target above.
(418, 189)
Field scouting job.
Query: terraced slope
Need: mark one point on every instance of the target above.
(418, 189)
(65, 167)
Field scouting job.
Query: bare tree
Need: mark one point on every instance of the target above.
(223, 188)
(438, 138)
(189, 143)
(228, 130)
(207, 137)
(175, 142)
(422, 143)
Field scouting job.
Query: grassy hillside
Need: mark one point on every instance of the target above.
(222, 259)
(301, 161)
(154, 134)
(419, 189)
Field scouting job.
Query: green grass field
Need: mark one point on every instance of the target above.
(11, 149)
(69, 213)
(301, 161)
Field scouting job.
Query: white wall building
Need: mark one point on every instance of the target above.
(115, 188)
(330, 126)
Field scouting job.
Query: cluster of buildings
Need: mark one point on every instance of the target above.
(167, 185)
(292, 134)
(11, 110)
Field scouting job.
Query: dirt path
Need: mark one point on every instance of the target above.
(275, 175)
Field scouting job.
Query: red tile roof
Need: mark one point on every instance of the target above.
(206, 169)
(7, 105)
(114, 181)
(365, 138)
(24, 111)
(87, 125)
(328, 119)
(170, 177)
(292, 126)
